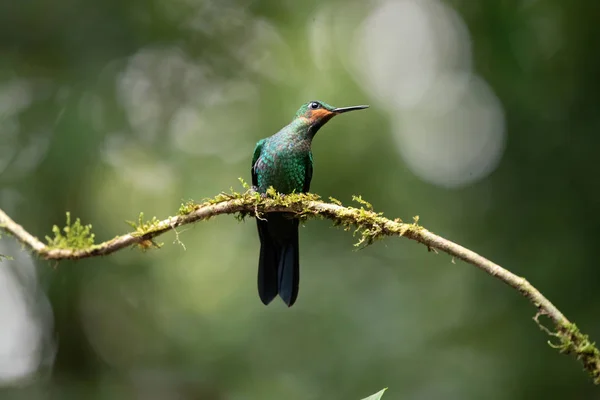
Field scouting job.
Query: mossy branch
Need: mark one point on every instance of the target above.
(77, 242)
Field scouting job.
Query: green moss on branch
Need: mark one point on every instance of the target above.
(76, 241)
(73, 236)
(573, 342)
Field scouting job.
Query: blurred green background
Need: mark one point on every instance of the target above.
(484, 122)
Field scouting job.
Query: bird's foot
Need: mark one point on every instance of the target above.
(254, 190)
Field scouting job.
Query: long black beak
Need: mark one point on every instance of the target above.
(346, 109)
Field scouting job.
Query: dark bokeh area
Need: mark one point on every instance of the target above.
(484, 121)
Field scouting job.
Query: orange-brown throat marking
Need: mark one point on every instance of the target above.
(320, 114)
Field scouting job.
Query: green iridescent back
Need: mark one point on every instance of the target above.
(284, 160)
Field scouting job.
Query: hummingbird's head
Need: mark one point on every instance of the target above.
(317, 113)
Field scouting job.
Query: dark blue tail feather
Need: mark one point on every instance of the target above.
(267, 266)
(288, 272)
(279, 262)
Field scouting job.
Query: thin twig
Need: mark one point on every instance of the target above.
(11, 227)
(372, 226)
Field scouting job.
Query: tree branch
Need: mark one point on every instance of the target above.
(77, 243)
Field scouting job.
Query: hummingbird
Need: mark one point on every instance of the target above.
(285, 161)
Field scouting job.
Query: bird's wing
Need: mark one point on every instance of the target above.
(308, 172)
(255, 157)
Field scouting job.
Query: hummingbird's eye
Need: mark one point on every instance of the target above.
(314, 105)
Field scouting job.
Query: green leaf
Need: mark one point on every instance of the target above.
(376, 396)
